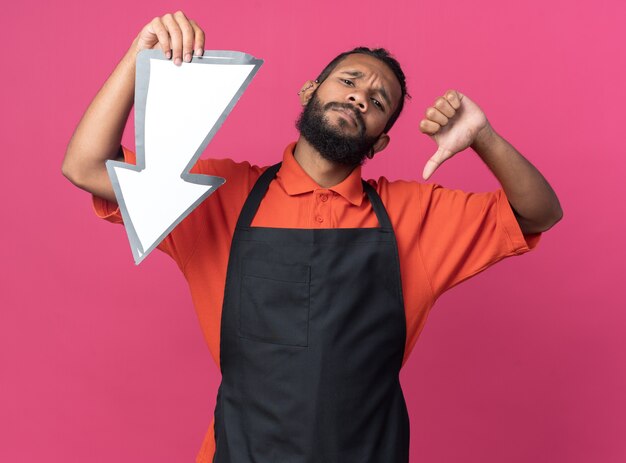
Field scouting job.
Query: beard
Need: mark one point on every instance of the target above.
(330, 141)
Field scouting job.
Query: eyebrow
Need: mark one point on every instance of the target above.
(381, 90)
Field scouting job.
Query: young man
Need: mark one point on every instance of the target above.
(311, 285)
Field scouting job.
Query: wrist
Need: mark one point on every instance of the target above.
(130, 57)
(134, 49)
(484, 138)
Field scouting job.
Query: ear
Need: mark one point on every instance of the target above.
(306, 92)
(380, 144)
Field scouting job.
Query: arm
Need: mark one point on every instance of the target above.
(455, 123)
(533, 200)
(98, 135)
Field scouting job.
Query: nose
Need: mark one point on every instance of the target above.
(358, 99)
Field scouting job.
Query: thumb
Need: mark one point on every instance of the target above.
(433, 163)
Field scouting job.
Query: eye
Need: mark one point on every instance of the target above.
(348, 82)
(378, 104)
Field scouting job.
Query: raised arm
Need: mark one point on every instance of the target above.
(455, 123)
(99, 133)
(532, 199)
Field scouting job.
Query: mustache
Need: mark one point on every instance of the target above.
(357, 115)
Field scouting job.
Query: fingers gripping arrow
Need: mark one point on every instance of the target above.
(178, 110)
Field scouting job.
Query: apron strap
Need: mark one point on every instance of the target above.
(378, 206)
(259, 189)
(256, 195)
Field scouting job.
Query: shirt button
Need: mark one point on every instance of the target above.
(319, 218)
(324, 197)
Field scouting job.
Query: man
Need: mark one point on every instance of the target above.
(311, 285)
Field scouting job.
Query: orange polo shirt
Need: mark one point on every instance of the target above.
(444, 236)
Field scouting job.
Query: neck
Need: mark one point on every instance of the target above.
(325, 173)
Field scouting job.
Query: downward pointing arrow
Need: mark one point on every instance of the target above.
(178, 110)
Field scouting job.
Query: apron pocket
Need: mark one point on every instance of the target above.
(274, 302)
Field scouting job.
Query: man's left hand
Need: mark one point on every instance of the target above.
(454, 122)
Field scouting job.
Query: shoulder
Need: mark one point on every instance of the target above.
(240, 176)
(225, 166)
(428, 194)
(422, 200)
(395, 193)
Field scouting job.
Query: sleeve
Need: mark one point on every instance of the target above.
(462, 234)
(106, 209)
(225, 203)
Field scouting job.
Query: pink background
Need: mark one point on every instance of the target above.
(104, 361)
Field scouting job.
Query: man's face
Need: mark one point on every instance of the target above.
(346, 115)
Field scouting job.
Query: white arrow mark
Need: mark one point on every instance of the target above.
(178, 110)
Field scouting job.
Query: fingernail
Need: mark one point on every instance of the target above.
(199, 52)
(188, 57)
(178, 61)
(168, 54)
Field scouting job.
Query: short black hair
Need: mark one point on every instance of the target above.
(384, 56)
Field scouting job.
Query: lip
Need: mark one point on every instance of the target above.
(347, 114)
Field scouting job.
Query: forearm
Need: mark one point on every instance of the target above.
(536, 205)
(98, 134)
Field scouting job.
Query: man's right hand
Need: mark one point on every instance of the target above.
(99, 133)
(176, 35)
